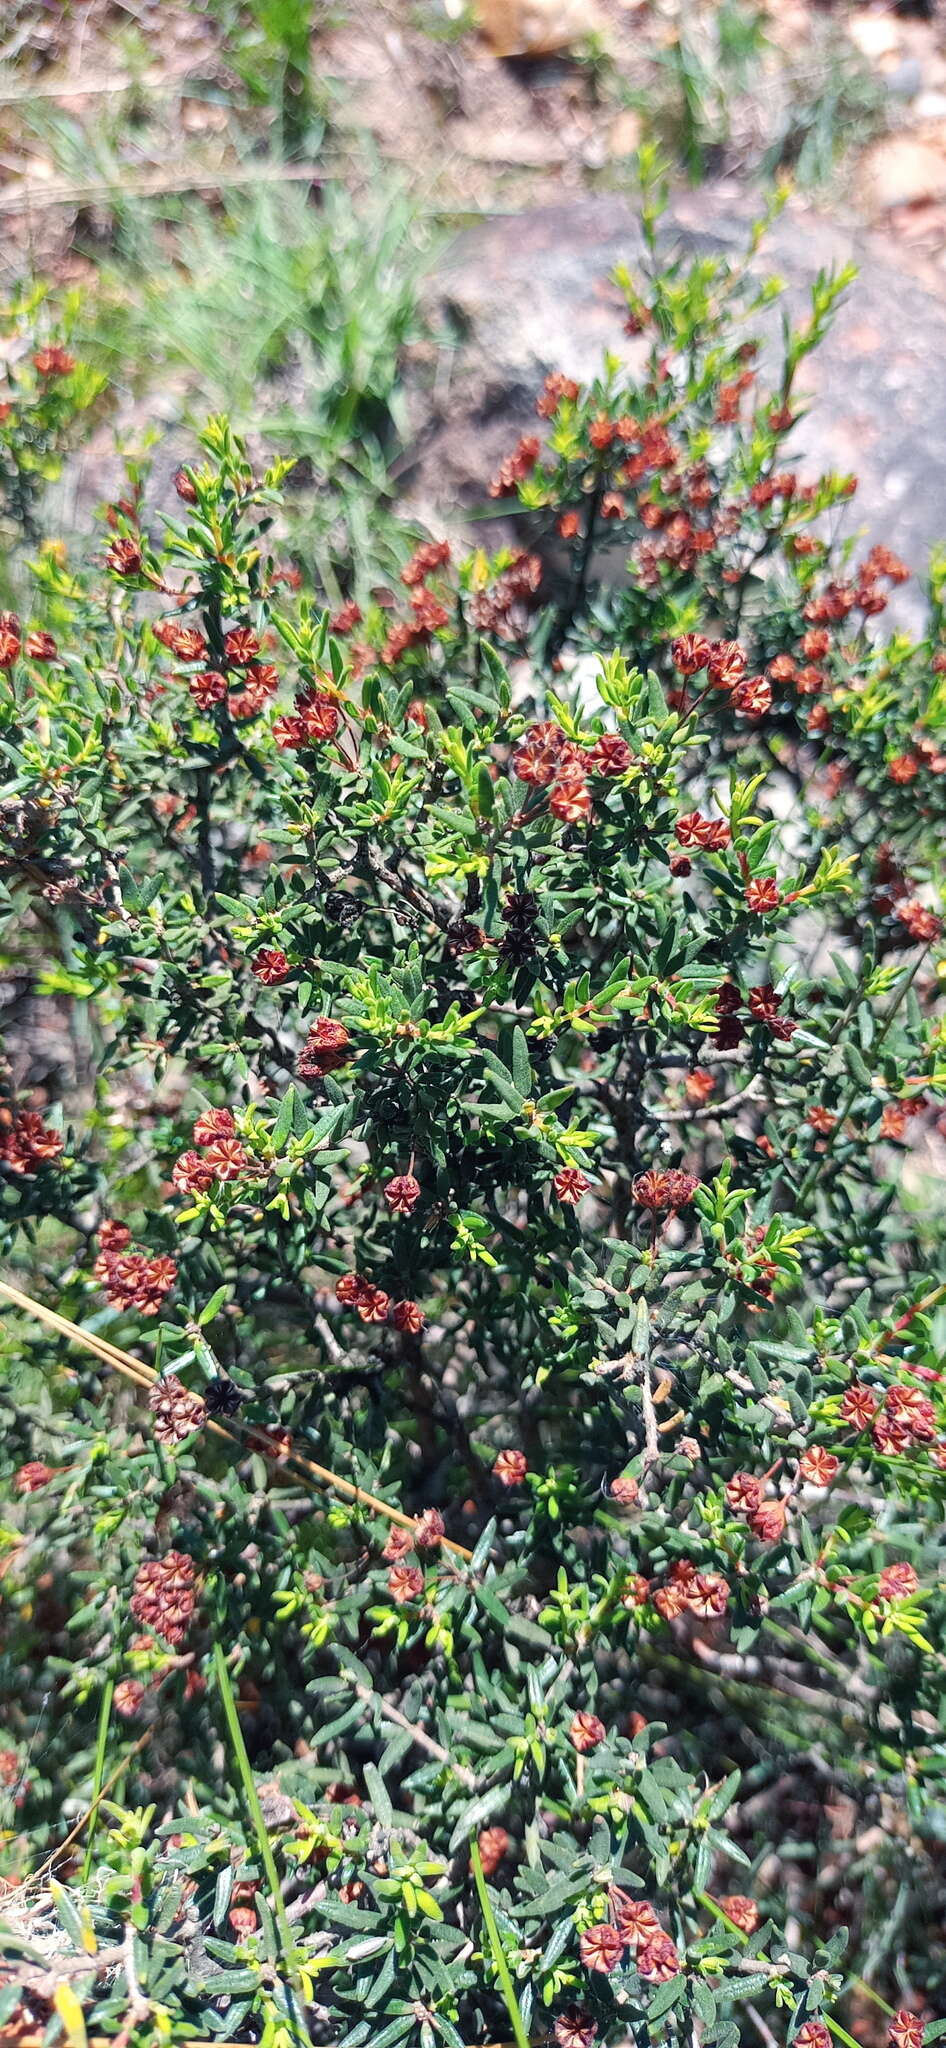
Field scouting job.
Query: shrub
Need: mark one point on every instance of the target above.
(509, 1598)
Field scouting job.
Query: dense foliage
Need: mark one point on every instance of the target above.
(506, 1079)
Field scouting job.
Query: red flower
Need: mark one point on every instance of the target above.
(114, 1237)
(897, 1582)
(318, 715)
(610, 755)
(184, 641)
(658, 1960)
(726, 664)
(923, 925)
(905, 2030)
(40, 647)
(325, 1049)
(432, 554)
(858, 1406)
(891, 1436)
(516, 466)
(536, 758)
(227, 1158)
(635, 1919)
(208, 688)
(124, 557)
(765, 1006)
(753, 696)
(165, 1596)
(259, 683)
(708, 1594)
(214, 1123)
(695, 830)
(349, 1288)
(601, 1947)
(821, 1120)
(347, 618)
(602, 432)
(373, 1304)
(569, 525)
(672, 1190)
(402, 1194)
(408, 1317)
(271, 966)
(586, 1732)
(624, 1489)
(570, 1184)
(400, 1543)
(429, 1532)
(818, 1466)
(908, 1406)
(405, 1582)
(493, 1845)
(127, 1697)
(132, 1280)
(191, 1174)
(241, 646)
(744, 1493)
(814, 2034)
(570, 799)
(768, 1520)
(9, 639)
(690, 653)
(555, 389)
(31, 1478)
(53, 361)
(903, 768)
(510, 1468)
(27, 1144)
(575, 2030)
(762, 894)
(741, 1911)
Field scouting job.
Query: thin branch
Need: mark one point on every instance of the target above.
(418, 1735)
(82, 1822)
(145, 1376)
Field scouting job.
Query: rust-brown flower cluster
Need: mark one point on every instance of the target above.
(165, 1596)
(131, 1279)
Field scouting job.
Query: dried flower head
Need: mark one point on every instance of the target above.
(177, 1411)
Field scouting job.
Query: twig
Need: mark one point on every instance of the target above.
(760, 2026)
(419, 1735)
(651, 1434)
(139, 2005)
(75, 1832)
(145, 1376)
